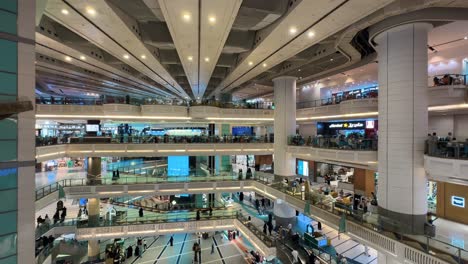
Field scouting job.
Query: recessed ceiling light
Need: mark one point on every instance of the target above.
(212, 19)
(298, 69)
(465, 38)
(186, 17)
(82, 57)
(65, 11)
(90, 11)
(207, 59)
(250, 63)
(190, 58)
(126, 56)
(331, 59)
(311, 34)
(264, 65)
(292, 30)
(67, 58)
(143, 56)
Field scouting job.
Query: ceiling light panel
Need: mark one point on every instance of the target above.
(123, 38)
(181, 17)
(50, 47)
(216, 19)
(279, 44)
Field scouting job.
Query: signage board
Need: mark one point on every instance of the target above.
(458, 201)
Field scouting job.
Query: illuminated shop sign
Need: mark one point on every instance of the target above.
(370, 124)
(347, 125)
(458, 201)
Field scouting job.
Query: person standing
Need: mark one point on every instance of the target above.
(140, 212)
(212, 248)
(171, 241)
(319, 226)
(295, 256)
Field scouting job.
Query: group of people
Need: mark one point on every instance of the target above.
(447, 79)
(446, 146)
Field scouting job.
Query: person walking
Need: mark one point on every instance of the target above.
(140, 212)
(212, 248)
(295, 256)
(171, 241)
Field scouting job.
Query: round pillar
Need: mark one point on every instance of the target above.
(284, 124)
(284, 213)
(93, 250)
(403, 126)
(93, 211)
(94, 169)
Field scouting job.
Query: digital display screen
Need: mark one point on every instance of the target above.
(303, 168)
(177, 166)
(242, 131)
(92, 128)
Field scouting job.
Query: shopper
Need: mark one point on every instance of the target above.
(198, 215)
(140, 212)
(171, 241)
(212, 248)
(295, 256)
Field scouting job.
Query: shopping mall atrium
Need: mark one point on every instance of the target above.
(234, 131)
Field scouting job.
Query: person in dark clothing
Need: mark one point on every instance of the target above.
(140, 212)
(198, 215)
(211, 211)
(311, 258)
(56, 217)
(64, 214)
(270, 227)
(319, 226)
(265, 228)
(129, 251)
(137, 251)
(171, 241)
(118, 173)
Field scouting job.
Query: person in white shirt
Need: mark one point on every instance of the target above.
(295, 255)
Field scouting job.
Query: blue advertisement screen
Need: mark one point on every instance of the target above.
(177, 166)
(242, 131)
(303, 168)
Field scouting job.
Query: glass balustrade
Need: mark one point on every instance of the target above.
(316, 198)
(225, 139)
(447, 149)
(341, 143)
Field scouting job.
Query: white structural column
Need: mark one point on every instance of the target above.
(285, 124)
(403, 125)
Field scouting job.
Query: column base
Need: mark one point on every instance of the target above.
(285, 221)
(402, 223)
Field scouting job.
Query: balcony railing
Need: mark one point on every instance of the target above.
(447, 149)
(226, 139)
(51, 188)
(316, 198)
(441, 249)
(340, 143)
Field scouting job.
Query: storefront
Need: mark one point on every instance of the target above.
(59, 130)
(451, 201)
(361, 128)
